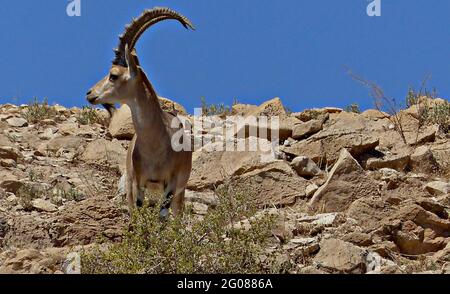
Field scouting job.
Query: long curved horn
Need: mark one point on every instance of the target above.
(140, 25)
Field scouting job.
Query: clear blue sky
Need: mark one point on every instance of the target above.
(252, 50)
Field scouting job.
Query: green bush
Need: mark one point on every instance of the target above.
(38, 111)
(188, 245)
(26, 194)
(216, 109)
(354, 108)
(89, 115)
(439, 114)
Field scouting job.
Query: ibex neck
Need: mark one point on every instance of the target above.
(147, 116)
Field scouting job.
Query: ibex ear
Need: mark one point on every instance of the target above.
(131, 61)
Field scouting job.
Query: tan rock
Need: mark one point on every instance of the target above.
(416, 230)
(57, 143)
(326, 150)
(211, 168)
(171, 106)
(396, 162)
(31, 261)
(17, 122)
(208, 197)
(4, 117)
(369, 211)
(346, 183)
(307, 129)
(433, 206)
(105, 152)
(271, 184)
(443, 255)
(305, 167)
(358, 239)
(316, 113)
(68, 128)
(270, 108)
(286, 125)
(441, 152)
(121, 126)
(374, 114)
(243, 109)
(322, 219)
(5, 141)
(423, 161)
(43, 205)
(340, 257)
(11, 185)
(8, 162)
(438, 188)
(7, 152)
(199, 208)
(47, 134)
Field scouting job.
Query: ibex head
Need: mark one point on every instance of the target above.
(125, 72)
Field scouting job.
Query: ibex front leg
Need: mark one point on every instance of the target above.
(168, 197)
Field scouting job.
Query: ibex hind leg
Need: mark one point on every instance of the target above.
(177, 204)
(135, 195)
(130, 197)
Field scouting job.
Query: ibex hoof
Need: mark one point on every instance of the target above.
(164, 213)
(139, 203)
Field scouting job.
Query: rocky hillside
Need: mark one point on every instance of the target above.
(353, 192)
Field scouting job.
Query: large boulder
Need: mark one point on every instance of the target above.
(307, 129)
(346, 183)
(282, 130)
(375, 114)
(211, 167)
(272, 184)
(121, 126)
(441, 152)
(423, 161)
(326, 150)
(270, 108)
(415, 135)
(416, 230)
(171, 106)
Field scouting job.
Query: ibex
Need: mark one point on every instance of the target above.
(151, 159)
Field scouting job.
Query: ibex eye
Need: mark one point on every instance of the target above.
(113, 77)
